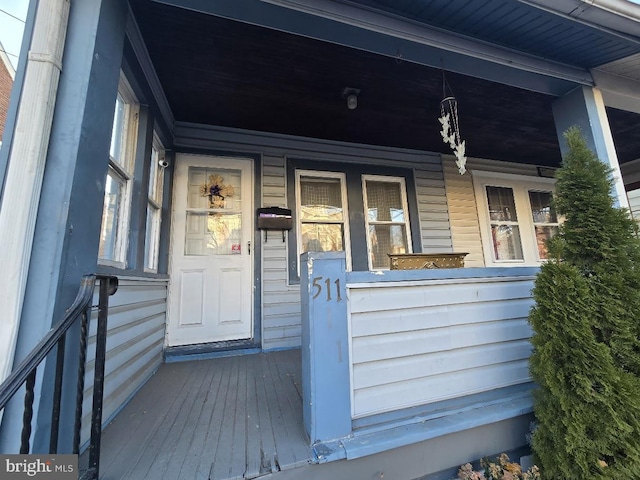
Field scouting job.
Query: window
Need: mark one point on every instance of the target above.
(518, 217)
(322, 212)
(365, 210)
(154, 206)
(387, 218)
(545, 220)
(505, 230)
(117, 195)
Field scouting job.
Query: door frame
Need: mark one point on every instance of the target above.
(255, 343)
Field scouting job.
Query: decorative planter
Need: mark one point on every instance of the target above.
(418, 261)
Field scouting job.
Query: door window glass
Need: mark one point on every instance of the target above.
(214, 219)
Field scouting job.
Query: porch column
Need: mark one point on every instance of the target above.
(326, 390)
(69, 212)
(584, 107)
(26, 166)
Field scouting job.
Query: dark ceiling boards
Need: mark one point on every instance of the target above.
(221, 72)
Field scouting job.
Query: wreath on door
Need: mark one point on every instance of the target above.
(217, 191)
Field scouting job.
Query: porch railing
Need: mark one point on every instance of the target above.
(25, 373)
(396, 357)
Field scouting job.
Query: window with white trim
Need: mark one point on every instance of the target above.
(516, 217)
(386, 217)
(322, 215)
(117, 196)
(154, 206)
(545, 220)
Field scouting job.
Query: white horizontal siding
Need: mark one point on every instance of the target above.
(280, 320)
(414, 344)
(634, 204)
(135, 336)
(439, 387)
(435, 232)
(281, 327)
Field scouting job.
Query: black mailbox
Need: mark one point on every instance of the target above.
(275, 218)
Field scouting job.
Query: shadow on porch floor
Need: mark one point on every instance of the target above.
(225, 418)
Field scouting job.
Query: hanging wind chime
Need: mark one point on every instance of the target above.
(450, 126)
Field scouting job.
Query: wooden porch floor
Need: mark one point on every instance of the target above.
(225, 418)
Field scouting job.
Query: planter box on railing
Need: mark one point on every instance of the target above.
(419, 261)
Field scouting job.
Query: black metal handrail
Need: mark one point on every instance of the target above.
(25, 373)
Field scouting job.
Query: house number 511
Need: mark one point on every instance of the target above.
(317, 284)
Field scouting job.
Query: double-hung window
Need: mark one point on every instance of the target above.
(545, 220)
(386, 217)
(322, 212)
(367, 211)
(154, 206)
(516, 217)
(119, 181)
(505, 228)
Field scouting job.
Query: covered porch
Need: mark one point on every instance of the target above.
(264, 84)
(225, 418)
(404, 374)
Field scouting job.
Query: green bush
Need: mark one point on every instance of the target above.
(586, 322)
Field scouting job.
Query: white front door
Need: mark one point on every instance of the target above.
(210, 291)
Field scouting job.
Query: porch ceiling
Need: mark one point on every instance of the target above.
(520, 25)
(222, 72)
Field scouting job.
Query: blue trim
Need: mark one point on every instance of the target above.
(574, 109)
(209, 355)
(579, 108)
(326, 389)
(430, 411)
(440, 274)
(371, 442)
(279, 349)
(66, 236)
(202, 351)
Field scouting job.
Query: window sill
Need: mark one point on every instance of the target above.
(112, 264)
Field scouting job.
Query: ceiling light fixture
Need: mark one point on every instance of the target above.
(351, 94)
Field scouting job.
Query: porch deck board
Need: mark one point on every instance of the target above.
(220, 419)
(206, 437)
(291, 409)
(178, 461)
(164, 429)
(135, 425)
(229, 445)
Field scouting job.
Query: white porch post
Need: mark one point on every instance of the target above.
(26, 167)
(585, 108)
